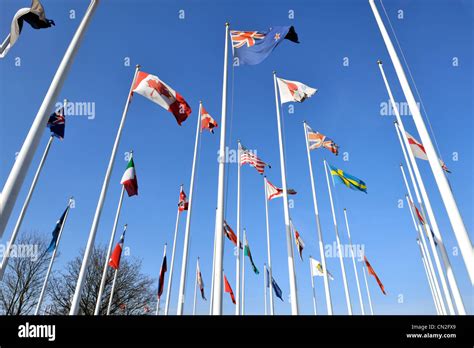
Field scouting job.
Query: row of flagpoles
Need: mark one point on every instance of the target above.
(447, 297)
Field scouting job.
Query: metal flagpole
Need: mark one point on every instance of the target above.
(368, 291)
(25, 156)
(428, 277)
(100, 203)
(312, 285)
(218, 234)
(327, 291)
(159, 297)
(53, 256)
(450, 204)
(5, 44)
(237, 260)
(195, 287)
(354, 263)
(170, 275)
(291, 263)
(16, 229)
(212, 279)
(109, 250)
(243, 277)
(112, 292)
(346, 287)
(265, 287)
(269, 255)
(426, 204)
(184, 264)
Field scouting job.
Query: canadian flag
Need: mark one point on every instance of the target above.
(151, 87)
(294, 91)
(207, 122)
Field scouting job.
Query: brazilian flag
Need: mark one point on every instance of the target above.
(350, 181)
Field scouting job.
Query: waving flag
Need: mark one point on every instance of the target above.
(252, 47)
(372, 272)
(57, 124)
(419, 151)
(422, 221)
(294, 91)
(34, 16)
(249, 157)
(161, 280)
(298, 240)
(317, 140)
(207, 122)
(249, 254)
(183, 201)
(275, 192)
(114, 260)
(276, 288)
(230, 234)
(151, 87)
(350, 181)
(317, 269)
(56, 231)
(129, 179)
(200, 281)
(227, 288)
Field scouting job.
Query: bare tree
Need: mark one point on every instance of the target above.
(24, 276)
(134, 292)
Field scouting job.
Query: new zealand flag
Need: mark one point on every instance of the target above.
(57, 124)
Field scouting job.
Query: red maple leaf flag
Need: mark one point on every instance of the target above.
(151, 87)
(372, 272)
(228, 289)
(207, 122)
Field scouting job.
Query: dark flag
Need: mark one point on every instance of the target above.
(57, 124)
(161, 282)
(275, 286)
(56, 230)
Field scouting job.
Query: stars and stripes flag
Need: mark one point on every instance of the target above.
(57, 124)
(228, 288)
(251, 158)
(294, 91)
(298, 240)
(275, 192)
(114, 260)
(183, 201)
(230, 234)
(207, 122)
(129, 179)
(200, 281)
(317, 140)
(419, 151)
(372, 272)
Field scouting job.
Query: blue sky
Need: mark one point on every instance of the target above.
(188, 55)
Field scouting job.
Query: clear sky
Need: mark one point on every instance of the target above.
(187, 53)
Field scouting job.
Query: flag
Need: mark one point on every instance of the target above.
(34, 16)
(114, 260)
(419, 151)
(249, 254)
(183, 201)
(200, 281)
(294, 91)
(228, 289)
(298, 240)
(207, 122)
(277, 290)
(161, 280)
(275, 192)
(350, 181)
(57, 124)
(253, 47)
(372, 272)
(268, 278)
(422, 221)
(129, 179)
(317, 269)
(317, 140)
(151, 87)
(56, 230)
(230, 234)
(249, 157)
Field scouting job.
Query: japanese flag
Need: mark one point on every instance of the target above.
(293, 91)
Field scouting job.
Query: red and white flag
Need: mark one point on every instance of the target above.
(419, 151)
(275, 192)
(207, 122)
(230, 234)
(227, 288)
(249, 157)
(183, 201)
(114, 260)
(294, 91)
(129, 179)
(151, 87)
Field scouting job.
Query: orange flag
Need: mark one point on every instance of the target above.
(372, 272)
(229, 289)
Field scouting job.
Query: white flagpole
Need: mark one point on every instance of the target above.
(425, 266)
(22, 163)
(354, 263)
(237, 260)
(195, 287)
(16, 229)
(100, 203)
(51, 261)
(243, 277)
(327, 291)
(170, 275)
(112, 292)
(346, 287)
(289, 247)
(368, 291)
(184, 263)
(5, 46)
(265, 287)
(159, 297)
(269, 255)
(109, 250)
(218, 237)
(211, 295)
(426, 204)
(312, 285)
(450, 204)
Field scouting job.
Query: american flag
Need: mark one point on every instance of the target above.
(249, 157)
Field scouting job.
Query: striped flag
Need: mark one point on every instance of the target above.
(161, 280)
(249, 157)
(419, 151)
(317, 140)
(298, 240)
(114, 260)
(129, 179)
(249, 254)
(372, 272)
(228, 288)
(275, 192)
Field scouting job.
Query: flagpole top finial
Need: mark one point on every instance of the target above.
(71, 198)
(379, 62)
(401, 165)
(227, 24)
(138, 66)
(200, 102)
(274, 72)
(345, 209)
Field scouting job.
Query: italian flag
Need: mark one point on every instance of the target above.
(129, 179)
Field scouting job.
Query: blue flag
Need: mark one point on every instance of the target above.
(349, 180)
(277, 289)
(56, 230)
(252, 47)
(57, 124)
